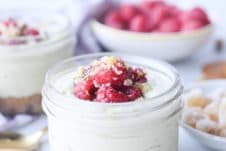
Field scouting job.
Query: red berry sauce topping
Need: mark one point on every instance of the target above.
(155, 16)
(11, 30)
(109, 80)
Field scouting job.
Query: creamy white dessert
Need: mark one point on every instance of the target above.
(24, 63)
(149, 123)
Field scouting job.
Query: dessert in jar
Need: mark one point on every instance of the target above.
(29, 44)
(108, 102)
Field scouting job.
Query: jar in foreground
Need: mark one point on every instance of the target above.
(30, 43)
(150, 124)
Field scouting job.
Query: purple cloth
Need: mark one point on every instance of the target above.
(86, 41)
(17, 121)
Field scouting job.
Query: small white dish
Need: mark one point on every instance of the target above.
(210, 141)
(166, 46)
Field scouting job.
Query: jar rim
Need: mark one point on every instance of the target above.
(174, 86)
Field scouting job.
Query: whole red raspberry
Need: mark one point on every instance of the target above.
(158, 14)
(192, 25)
(139, 75)
(148, 5)
(85, 90)
(115, 75)
(133, 93)
(200, 15)
(10, 22)
(108, 94)
(170, 25)
(173, 10)
(114, 20)
(127, 12)
(139, 24)
(33, 32)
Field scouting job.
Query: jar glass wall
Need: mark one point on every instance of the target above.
(26, 59)
(147, 125)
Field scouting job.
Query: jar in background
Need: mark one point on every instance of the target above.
(24, 60)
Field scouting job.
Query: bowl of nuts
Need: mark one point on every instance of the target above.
(204, 113)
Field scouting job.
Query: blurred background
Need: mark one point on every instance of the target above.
(78, 10)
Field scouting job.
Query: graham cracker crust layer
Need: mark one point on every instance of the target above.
(26, 105)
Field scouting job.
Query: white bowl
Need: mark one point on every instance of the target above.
(210, 141)
(166, 46)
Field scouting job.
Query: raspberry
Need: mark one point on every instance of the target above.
(114, 76)
(195, 14)
(133, 93)
(113, 19)
(169, 25)
(192, 25)
(33, 32)
(148, 5)
(128, 12)
(109, 80)
(10, 22)
(139, 75)
(108, 94)
(159, 14)
(151, 22)
(156, 3)
(200, 14)
(138, 24)
(186, 16)
(173, 10)
(85, 90)
(22, 29)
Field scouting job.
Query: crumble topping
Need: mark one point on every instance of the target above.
(110, 80)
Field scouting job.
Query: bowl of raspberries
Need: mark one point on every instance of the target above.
(153, 28)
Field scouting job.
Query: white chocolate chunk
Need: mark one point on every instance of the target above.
(207, 125)
(222, 113)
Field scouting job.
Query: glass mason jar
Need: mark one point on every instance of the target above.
(145, 125)
(24, 60)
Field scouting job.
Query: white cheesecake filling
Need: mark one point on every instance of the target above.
(24, 75)
(99, 127)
